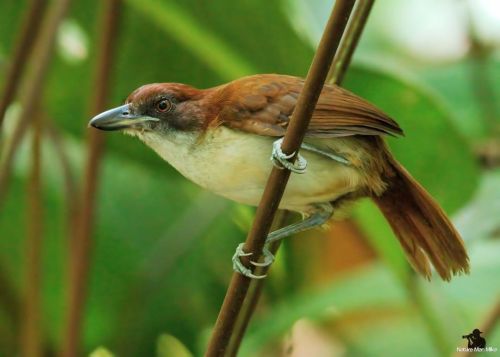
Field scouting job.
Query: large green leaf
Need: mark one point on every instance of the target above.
(458, 85)
(432, 150)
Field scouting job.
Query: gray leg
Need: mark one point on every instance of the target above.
(319, 216)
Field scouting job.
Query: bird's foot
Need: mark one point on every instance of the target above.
(280, 159)
(243, 270)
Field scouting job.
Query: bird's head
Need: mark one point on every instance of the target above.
(160, 108)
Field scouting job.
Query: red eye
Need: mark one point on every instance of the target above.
(163, 105)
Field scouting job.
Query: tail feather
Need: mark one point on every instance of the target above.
(423, 229)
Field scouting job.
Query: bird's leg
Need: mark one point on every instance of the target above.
(319, 216)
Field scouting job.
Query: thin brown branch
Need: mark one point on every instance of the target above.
(25, 41)
(80, 249)
(338, 68)
(40, 60)
(278, 178)
(31, 333)
(254, 292)
(350, 41)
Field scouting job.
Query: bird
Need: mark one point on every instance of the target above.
(221, 138)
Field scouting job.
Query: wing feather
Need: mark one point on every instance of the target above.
(263, 104)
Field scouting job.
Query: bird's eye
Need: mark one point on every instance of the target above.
(164, 105)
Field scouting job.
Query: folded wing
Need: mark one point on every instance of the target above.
(263, 105)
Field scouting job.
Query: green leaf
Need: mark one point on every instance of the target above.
(204, 44)
(346, 294)
(101, 352)
(169, 346)
(457, 85)
(479, 218)
(432, 150)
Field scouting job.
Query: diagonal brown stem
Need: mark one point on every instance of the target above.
(25, 42)
(35, 79)
(350, 41)
(336, 75)
(276, 183)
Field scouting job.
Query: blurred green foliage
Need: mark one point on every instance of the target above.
(162, 246)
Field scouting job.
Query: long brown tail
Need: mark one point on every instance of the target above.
(422, 227)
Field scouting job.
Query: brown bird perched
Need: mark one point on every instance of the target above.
(221, 139)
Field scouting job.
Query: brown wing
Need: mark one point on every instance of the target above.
(263, 104)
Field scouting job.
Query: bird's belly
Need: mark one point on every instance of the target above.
(236, 165)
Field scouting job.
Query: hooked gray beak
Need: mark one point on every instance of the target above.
(118, 118)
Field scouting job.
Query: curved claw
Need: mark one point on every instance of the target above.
(268, 259)
(243, 270)
(280, 159)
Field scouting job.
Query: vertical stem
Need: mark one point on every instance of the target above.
(10, 304)
(31, 344)
(35, 79)
(80, 249)
(25, 42)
